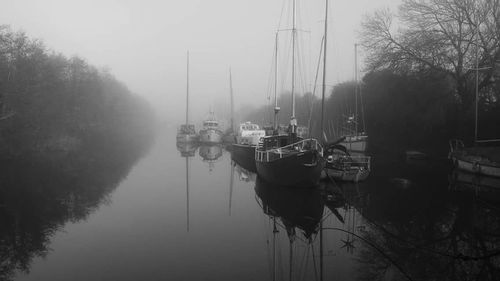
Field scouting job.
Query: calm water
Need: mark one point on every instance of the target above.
(200, 216)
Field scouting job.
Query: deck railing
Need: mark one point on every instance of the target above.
(280, 152)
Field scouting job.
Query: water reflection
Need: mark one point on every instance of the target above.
(210, 154)
(39, 195)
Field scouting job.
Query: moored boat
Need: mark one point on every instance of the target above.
(186, 133)
(477, 160)
(211, 133)
(243, 151)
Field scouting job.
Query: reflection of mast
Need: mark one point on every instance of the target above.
(187, 193)
(231, 182)
(275, 231)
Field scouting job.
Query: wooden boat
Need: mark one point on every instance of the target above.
(211, 133)
(247, 139)
(288, 159)
(186, 132)
(342, 166)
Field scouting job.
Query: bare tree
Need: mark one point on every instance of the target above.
(440, 36)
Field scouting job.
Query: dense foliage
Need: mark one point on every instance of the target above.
(50, 104)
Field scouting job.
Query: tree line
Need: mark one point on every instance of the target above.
(53, 104)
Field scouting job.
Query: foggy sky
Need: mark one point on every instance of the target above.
(144, 43)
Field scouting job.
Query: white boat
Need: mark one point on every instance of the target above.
(186, 133)
(211, 133)
(247, 139)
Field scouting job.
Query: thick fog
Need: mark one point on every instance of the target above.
(144, 44)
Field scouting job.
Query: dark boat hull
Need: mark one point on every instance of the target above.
(244, 155)
(296, 170)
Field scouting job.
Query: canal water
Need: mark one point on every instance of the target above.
(180, 213)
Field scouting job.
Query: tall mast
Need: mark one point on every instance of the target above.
(187, 90)
(276, 108)
(356, 90)
(187, 193)
(477, 83)
(294, 34)
(324, 69)
(232, 100)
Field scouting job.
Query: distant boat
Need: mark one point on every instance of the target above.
(247, 139)
(354, 139)
(211, 133)
(186, 132)
(288, 159)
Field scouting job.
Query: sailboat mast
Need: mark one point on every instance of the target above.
(356, 88)
(477, 84)
(187, 90)
(232, 100)
(294, 35)
(324, 70)
(276, 108)
(187, 193)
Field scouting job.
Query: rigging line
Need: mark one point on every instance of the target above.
(311, 107)
(376, 248)
(281, 14)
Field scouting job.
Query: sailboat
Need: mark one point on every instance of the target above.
(229, 135)
(288, 159)
(479, 160)
(354, 140)
(186, 132)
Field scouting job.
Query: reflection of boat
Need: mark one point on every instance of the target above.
(210, 154)
(211, 132)
(186, 132)
(244, 174)
(296, 207)
(342, 166)
(288, 159)
(243, 151)
(187, 149)
(354, 139)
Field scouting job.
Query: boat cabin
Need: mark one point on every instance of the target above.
(187, 129)
(211, 124)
